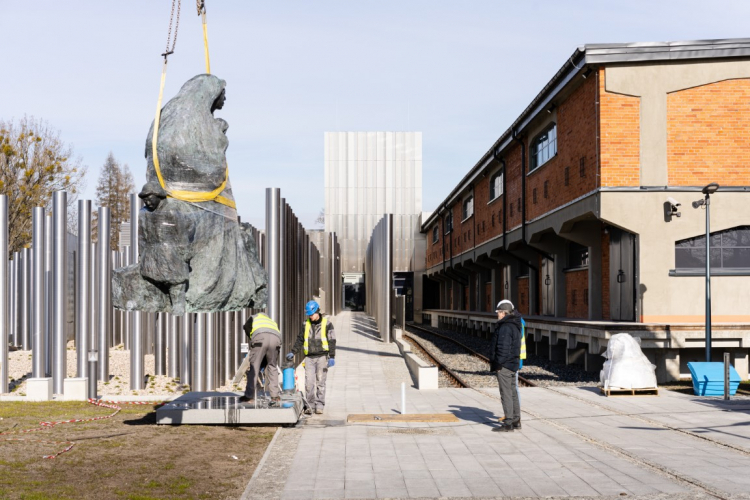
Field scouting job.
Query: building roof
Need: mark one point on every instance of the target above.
(579, 63)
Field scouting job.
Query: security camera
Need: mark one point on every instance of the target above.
(673, 202)
(671, 209)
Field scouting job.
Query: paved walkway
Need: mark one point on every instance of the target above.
(574, 442)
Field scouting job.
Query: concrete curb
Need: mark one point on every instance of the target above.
(251, 483)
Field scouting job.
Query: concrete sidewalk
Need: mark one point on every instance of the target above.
(574, 442)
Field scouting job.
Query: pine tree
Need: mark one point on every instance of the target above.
(112, 190)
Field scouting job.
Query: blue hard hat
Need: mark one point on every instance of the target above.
(311, 308)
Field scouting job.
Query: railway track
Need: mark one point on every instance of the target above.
(460, 380)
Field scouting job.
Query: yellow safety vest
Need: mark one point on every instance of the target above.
(323, 338)
(263, 321)
(523, 339)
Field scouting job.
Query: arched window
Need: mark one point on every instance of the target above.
(449, 222)
(730, 252)
(467, 208)
(496, 185)
(435, 234)
(543, 147)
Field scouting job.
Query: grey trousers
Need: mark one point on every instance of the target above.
(509, 394)
(316, 371)
(264, 345)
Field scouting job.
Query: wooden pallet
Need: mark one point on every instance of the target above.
(629, 392)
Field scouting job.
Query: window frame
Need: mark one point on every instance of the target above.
(449, 222)
(497, 175)
(533, 151)
(470, 201)
(700, 244)
(435, 234)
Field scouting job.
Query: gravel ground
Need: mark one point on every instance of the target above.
(19, 369)
(535, 368)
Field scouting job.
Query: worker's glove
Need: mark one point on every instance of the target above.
(331, 362)
(290, 356)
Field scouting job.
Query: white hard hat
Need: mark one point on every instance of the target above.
(505, 305)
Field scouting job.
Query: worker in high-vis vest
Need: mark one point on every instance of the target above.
(318, 341)
(265, 343)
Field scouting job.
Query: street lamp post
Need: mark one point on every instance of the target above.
(706, 202)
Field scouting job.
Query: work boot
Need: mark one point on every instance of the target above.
(505, 426)
(516, 423)
(275, 401)
(246, 400)
(319, 411)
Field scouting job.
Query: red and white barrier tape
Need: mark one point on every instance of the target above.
(47, 425)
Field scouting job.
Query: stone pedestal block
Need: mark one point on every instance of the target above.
(75, 389)
(39, 389)
(434, 320)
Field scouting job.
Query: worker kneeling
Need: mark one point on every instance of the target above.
(265, 343)
(318, 342)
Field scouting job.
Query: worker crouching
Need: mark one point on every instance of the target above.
(318, 341)
(265, 343)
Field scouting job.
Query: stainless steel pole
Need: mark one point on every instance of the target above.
(708, 278)
(39, 346)
(60, 284)
(136, 320)
(4, 294)
(116, 337)
(199, 353)
(13, 332)
(49, 266)
(210, 366)
(188, 324)
(282, 287)
(93, 308)
(104, 277)
(272, 249)
(228, 347)
(25, 299)
(127, 316)
(160, 351)
(83, 291)
(173, 346)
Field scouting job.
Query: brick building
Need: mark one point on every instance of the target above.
(569, 212)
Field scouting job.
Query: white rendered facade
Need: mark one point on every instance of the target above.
(369, 174)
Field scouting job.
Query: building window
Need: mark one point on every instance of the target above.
(730, 251)
(435, 234)
(496, 185)
(543, 147)
(449, 222)
(578, 255)
(468, 208)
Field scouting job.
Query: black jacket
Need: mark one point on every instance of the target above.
(506, 343)
(315, 345)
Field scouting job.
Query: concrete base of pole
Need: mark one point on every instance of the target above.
(39, 389)
(76, 389)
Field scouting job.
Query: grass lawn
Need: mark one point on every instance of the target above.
(124, 457)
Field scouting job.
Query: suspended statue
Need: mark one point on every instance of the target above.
(194, 254)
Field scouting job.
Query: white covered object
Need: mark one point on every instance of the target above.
(626, 366)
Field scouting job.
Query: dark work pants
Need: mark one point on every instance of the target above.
(264, 345)
(509, 394)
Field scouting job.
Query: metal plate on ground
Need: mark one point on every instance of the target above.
(224, 408)
(411, 417)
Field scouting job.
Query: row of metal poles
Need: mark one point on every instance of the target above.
(379, 272)
(60, 289)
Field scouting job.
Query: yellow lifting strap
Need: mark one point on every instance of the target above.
(190, 196)
(205, 38)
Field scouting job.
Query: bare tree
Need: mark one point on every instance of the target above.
(112, 190)
(321, 219)
(34, 163)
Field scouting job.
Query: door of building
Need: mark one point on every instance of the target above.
(548, 287)
(621, 275)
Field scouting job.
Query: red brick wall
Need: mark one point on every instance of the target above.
(605, 275)
(620, 137)
(513, 186)
(577, 289)
(523, 295)
(576, 142)
(707, 134)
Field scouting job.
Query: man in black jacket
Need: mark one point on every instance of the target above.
(318, 341)
(504, 361)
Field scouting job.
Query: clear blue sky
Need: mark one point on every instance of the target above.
(459, 71)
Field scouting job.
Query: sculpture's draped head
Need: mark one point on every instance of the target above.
(201, 91)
